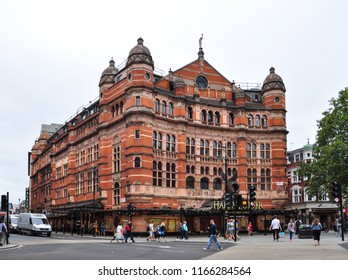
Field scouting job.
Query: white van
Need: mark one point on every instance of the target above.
(34, 224)
(12, 222)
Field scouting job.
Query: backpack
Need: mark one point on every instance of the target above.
(128, 227)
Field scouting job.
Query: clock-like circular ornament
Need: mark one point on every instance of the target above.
(202, 82)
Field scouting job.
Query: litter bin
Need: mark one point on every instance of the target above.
(305, 231)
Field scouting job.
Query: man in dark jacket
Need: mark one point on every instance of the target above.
(128, 232)
(213, 236)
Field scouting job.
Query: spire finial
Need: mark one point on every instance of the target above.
(200, 41)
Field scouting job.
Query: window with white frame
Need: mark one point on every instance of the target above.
(296, 194)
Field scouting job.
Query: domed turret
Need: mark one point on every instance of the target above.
(179, 86)
(140, 54)
(273, 81)
(108, 75)
(179, 82)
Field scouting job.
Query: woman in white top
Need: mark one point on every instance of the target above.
(119, 234)
(291, 228)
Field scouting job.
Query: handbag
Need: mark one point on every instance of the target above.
(281, 234)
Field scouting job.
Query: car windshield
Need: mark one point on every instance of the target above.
(40, 221)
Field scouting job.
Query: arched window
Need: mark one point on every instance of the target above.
(253, 147)
(201, 147)
(159, 174)
(190, 113)
(204, 116)
(214, 171)
(170, 108)
(264, 121)
(164, 107)
(190, 182)
(113, 111)
(121, 107)
(252, 177)
(204, 183)
(230, 119)
(268, 151)
(257, 120)
(187, 169)
(168, 143)
(137, 162)
(154, 140)
(202, 170)
(193, 169)
(210, 116)
(207, 171)
(173, 173)
(117, 110)
(217, 184)
(217, 117)
(193, 146)
(157, 105)
(159, 141)
(187, 145)
(206, 144)
(250, 120)
(173, 144)
(117, 194)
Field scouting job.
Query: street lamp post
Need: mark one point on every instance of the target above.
(93, 219)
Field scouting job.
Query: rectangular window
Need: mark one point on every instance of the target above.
(137, 100)
(137, 134)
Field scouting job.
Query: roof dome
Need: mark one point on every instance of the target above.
(179, 82)
(111, 70)
(108, 75)
(140, 54)
(273, 81)
(308, 147)
(238, 91)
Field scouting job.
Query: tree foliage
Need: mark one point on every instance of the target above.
(331, 150)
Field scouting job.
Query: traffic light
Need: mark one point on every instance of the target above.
(239, 200)
(228, 200)
(252, 195)
(4, 202)
(336, 191)
(129, 209)
(235, 188)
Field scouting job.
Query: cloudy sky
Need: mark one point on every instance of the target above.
(52, 54)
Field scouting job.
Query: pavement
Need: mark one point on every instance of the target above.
(260, 246)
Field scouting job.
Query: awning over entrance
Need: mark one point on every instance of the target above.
(78, 206)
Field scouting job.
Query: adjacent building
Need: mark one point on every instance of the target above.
(306, 206)
(164, 147)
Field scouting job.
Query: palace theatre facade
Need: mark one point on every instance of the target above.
(163, 144)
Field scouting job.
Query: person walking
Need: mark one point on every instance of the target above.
(3, 232)
(298, 222)
(128, 231)
(316, 227)
(250, 229)
(163, 231)
(179, 231)
(275, 228)
(185, 230)
(213, 236)
(102, 229)
(151, 231)
(291, 228)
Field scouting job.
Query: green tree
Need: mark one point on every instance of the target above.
(331, 150)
